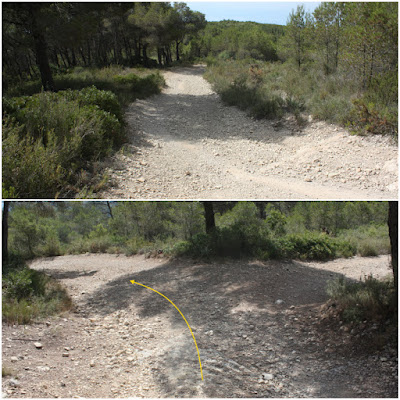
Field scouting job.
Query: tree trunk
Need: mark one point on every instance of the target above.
(41, 49)
(177, 50)
(209, 215)
(110, 210)
(73, 57)
(261, 209)
(83, 56)
(393, 234)
(145, 58)
(159, 56)
(5, 232)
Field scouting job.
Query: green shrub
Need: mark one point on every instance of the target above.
(19, 312)
(99, 244)
(104, 100)
(51, 246)
(23, 283)
(367, 116)
(367, 240)
(31, 169)
(308, 246)
(48, 138)
(78, 247)
(29, 294)
(370, 299)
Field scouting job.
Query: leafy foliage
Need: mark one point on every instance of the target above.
(370, 299)
(49, 137)
(29, 294)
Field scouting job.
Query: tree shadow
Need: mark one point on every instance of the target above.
(232, 308)
(178, 111)
(72, 274)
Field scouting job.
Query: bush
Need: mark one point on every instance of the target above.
(369, 240)
(367, 116)
(371, 299)
(308, 246)
(31, 169)
(48, 138)
(23, 283)
(29, 294)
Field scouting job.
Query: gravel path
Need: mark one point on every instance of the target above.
(124, 340)
(185, 144)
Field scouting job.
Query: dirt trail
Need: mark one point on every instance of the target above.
(185, 144)
(124, 340)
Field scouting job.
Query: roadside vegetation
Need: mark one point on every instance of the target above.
(264, 230)
(29, 295)
(338, 64)
(53, 142)
(65, 88)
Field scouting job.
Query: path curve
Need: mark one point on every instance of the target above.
(186, 144)
(126, 341)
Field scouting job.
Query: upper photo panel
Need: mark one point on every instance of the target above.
(200, 100)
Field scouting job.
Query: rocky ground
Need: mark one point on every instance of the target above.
(186, 144)
(261, 329)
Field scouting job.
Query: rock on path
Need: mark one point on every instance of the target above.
(185, 144)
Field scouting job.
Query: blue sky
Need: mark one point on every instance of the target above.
(265, 12)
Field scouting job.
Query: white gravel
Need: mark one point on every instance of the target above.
(185, 144)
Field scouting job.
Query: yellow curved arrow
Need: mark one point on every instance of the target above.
(187, 323)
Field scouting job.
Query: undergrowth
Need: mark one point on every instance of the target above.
(366, 300)
(269, 90)
(28, 295)
(53, 142)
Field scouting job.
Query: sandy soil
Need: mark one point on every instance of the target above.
(185, 144)
(124, 340)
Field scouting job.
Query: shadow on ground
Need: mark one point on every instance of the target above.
(241, 331)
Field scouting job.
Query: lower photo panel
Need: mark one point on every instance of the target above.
(118, 299)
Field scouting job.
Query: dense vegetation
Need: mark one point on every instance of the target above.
(53, 143)
(338, 64)
(265, 230)
(305, 230)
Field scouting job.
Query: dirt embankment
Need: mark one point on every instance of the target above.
(257, 325)
(185, 144)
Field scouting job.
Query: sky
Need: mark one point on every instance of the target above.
(265, 12)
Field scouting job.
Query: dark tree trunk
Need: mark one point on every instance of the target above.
(209, 216)
(88, 53)
(110, 213)
(261, 209)
(5, 232)
(63, 60)
(39, 40)
(393, 234)
(177, 50)
(55, 58)
(145, 59)
(83, 56)
(66, 54)
(159, 55)
(73, 57)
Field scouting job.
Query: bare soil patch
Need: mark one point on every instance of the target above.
(186, 144)
(124, 340)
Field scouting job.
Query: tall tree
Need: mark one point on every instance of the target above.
(296, 42)
(5, 231)
(393, 219)
(371, 47)
(328, 33)
(209, 216)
